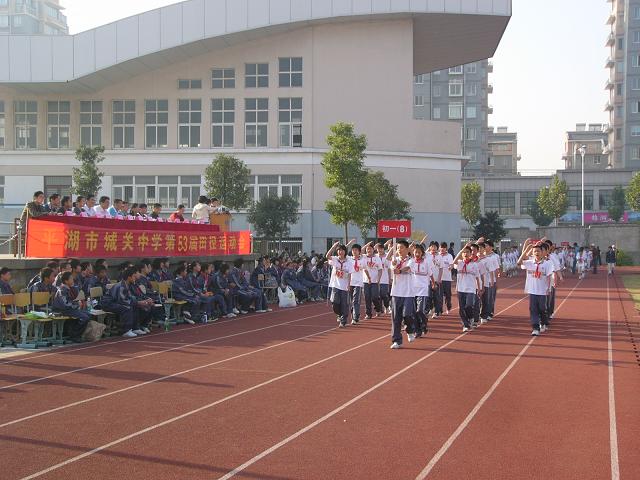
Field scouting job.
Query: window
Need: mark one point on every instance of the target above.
(456, 70)
(635, 61)
(91, 123)
(471, 68)
(261, 186)
(436, 90)
(618, 134)
(635, 130)
(620, 43)
(290, 72)
(291, 185)
(189, 120)
(471, 133)
(636, 13)
(190, 189)
(455, 88)
(473, 157)
(575, 200)
(156, 120)
(502, 202)
(635, 107)
(223, 78)
(619, 88)
(26, 124)
(490, 162)
(1, 189)
(455, 111)
(472, 89)
(2, 125)
(256, 118)
(17, 20)
(604, 197)
(527, 201)
(635, 83)
(636, 36)
(418, 101)
(597, 159)
(163, 189)
(472, 112)
(4, 21)
(223, 117)
(290, 122)
(190, 84)
(57, 184)
(620, 66)
(436, 113)
(635, 153)
(58, 124)
(619, 111)
(418, 79)
(124, 123)
(256, 75)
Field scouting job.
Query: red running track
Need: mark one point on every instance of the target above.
(287, 395)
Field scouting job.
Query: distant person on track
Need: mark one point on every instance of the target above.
(611, 259)
(538, 284)
(357, 282)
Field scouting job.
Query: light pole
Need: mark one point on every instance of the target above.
(582, 150)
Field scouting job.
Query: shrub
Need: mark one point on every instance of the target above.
(623, 259)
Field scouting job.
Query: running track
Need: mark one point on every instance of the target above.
(287, 395)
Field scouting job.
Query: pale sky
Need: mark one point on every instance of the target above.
(548, 70)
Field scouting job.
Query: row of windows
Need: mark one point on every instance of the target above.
(156, 118)
(456, 89)
(256, 75)
(458, 70)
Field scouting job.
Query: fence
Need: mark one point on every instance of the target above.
(267, 246)
(12, 238)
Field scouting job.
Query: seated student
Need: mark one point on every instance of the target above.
(118, 300)
(261, 269)
(220, 284)
(46, 284)
(64, 303)
(183, 291)
(86, 274)
(143, 303)
(53, 265)
(135, 210)
(271, 275)
(197, 284)
(245, 292)
(80, 204)
(122, 268)
(64, 267)
(98, 279)
(124, 211)
(178, 215)
(114, 209)
(5, 278)
(103, 262)
(306, 278)
(53, 205)
(321, 274)
(155, 213)
(221, 307)
(90, 205)
(159, 271)
(142, 210)
(290, 279)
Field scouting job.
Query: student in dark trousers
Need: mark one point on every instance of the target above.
(402, 297)
(341, 271)
(183, 291)
(385, 288)
(372, 274)
(446, 262)
(45, 285)
(468, 286)
(538, 285)
(65, 304)
(118, 300)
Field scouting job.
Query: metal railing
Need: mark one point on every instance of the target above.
(267, 246)
(15, 238)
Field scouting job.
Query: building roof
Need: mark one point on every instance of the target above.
(446, 33)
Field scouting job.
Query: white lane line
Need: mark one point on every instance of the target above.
(159, 379)
(454, 436)
(613, 424)
(108, 343)
(158, 352)
(197, 410)
(302, 431)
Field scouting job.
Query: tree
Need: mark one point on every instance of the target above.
(540, 218)
(383, 203)
(554, 199)
(87, 178)
(272, 216)
(470, 202)
(616, 204)
(633, 193)
(226, 179)
(345, 174)
(490, 226)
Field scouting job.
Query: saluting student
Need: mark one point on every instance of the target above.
(538, 284)
(357, 282)
(446, 261)
(385, 290)
(402, 296)
(468, 285)
(434, 295)
(372, 274)
(422, 271)
(341, 271)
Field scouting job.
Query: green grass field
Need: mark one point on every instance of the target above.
(632, 284)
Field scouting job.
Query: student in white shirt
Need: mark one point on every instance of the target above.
(482, 269)
(494, 264)
(422, 271)
(554, 258)
(580, 263)
(446, 262)
(435, 294)
(372, 274)
(385, 296)
(402, 298)
(538, 284)
(357, 281)
(468, 285)
(339, 282)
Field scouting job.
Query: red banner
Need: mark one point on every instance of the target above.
(61, 237)
(394, 229)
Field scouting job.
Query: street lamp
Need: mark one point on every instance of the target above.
(582, 150)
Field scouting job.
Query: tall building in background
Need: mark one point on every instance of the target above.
(594, 137)
(623, 84)
(503, 152)
(32, 17)
(459, 94)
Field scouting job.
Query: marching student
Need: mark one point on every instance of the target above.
(495, 266)
(372, 275)
(64, 302)
(475, 249)
(446, 261)
(468, 285)
(423, 278)
(356, 284)
(557, 278)
(434, 295)
(341, 270)
(385, 298)
(610, 258)
(538, 284)
(402, 295)
(581, 263)
(488, 280)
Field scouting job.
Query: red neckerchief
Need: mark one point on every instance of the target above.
(356, 267)
(537, 272)
(371, 262)
(399, 267)
(466, 262)
(340, 273)
(419, 262)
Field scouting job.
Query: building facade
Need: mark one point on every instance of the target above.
(594, 138)
(166, 90)
(459, 94)
(32, 17)
(503, 152)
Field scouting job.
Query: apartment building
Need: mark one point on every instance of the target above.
(503, 152)
(32, 17)
(594, 138)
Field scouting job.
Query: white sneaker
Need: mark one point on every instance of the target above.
(139, 332)
(389, 310)
(236, 311)
(535, 333)
(189, 321)
(446, 312)
(146, 330)
(230, 315)
(354, 322)
(269, 310)
(186, 313)
(129, 334)
(411, 337)
(483, 321)
(261, 311)
(466, 329)
(243, 312)
(395, 346)
(552, 315)
(543, 328)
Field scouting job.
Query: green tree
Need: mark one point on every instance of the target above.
(633, 193)
(554, 199)
(540, 218)
(490, 226)
(616, 204)
(272, 216)
(87, 178)
(345, 174)
(470, 202)
(383, 203)
(226, 179)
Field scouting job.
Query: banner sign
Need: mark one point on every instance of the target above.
(63, 237)
(394, 228)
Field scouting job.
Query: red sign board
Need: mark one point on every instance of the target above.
(59, 237)
(394, 229)
(565, 244)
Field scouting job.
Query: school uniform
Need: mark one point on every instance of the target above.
(339, 287)
(402, 300)
(219, 301)
(537, 286)
(477, 301)
(65, 304)
(494, 266)
(373, 266)
(306, 279)
(434, 295)
(423, 274)
(468, 273)
(551, 296)
(321, 276)
(385, 291)
(157, 313)
(219, 284)
(446, 261)
(118, 300)
(289, 278)
(143, 313)
(485, 308)
(356, 286)
(5, 288)
(182, 291)
(610, 258)
(41, 287)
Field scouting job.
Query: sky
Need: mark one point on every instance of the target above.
(548, 69)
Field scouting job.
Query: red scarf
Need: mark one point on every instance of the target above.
(466, 262)
(356, 267)
(537, 272)
(419, 262)
(371, 262)
(340, 273)
(399, 267)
